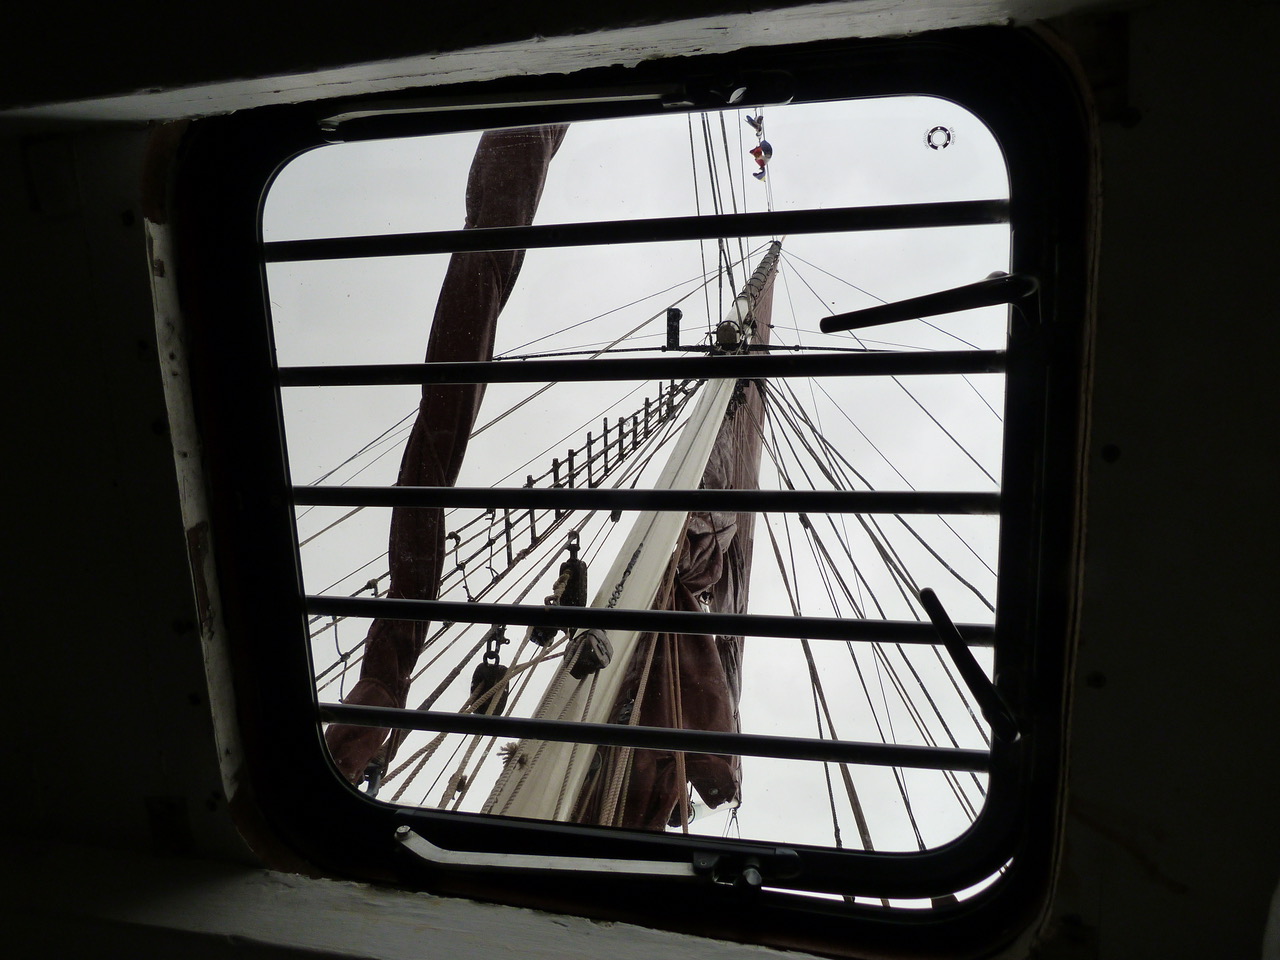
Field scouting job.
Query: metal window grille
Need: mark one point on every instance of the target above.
(266, 603)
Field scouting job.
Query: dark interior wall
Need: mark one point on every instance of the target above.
(91, 55)
(143, 60)
(106, 682)
(1174, 770)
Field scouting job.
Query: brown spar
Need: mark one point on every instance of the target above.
(692, 681)
(504, 187)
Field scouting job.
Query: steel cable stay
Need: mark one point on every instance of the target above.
(972, 386)
(658, 440)
(697, 205)
(908, 483)
(961, 447)
(904, 697)
(908, 589)
(660, 432)
(831, 468)
(817, 432)
(897, 564)
(716, 188)
(387, 439)
(399, 428)
(878, 659)
(730, 179)
(849, 283)
(703, 280)
(946, 666)
(368, 446)
(819, 696)
(823, 574)
(716, 209)
(827, 570)
(726, 263)
(549, 472)
(836, 461)
(965, 377)
(839, 408)
(897, 567)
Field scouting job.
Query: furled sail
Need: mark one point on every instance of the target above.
(670, 561)
(504, 187)
(692, 681)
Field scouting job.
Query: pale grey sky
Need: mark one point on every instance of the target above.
(827, 155)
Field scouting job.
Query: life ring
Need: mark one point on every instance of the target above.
(939, 137)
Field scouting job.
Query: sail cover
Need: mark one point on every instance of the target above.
(504, 187)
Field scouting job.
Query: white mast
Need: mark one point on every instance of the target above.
(542, 778)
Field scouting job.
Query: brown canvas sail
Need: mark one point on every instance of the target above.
(692, 681)
(504, 187)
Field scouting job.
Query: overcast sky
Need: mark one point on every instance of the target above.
(828, 155)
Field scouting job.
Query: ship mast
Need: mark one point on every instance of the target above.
(545, 779)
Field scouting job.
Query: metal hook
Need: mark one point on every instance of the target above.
(493, 643)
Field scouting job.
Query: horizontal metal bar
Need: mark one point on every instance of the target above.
(900, 216)
(661, 738)
(653, 621)
(598, 498)
(751, 367)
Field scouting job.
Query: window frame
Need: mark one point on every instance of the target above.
(1028, 97)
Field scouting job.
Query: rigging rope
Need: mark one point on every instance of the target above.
(780, 467)
(893, 563)
(461, 783)
(697, 205)
(899, 570)
(660, 428)
(820, 697)
(797, 412)
(963, 449)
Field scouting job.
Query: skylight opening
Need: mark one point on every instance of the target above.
(885, 433)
